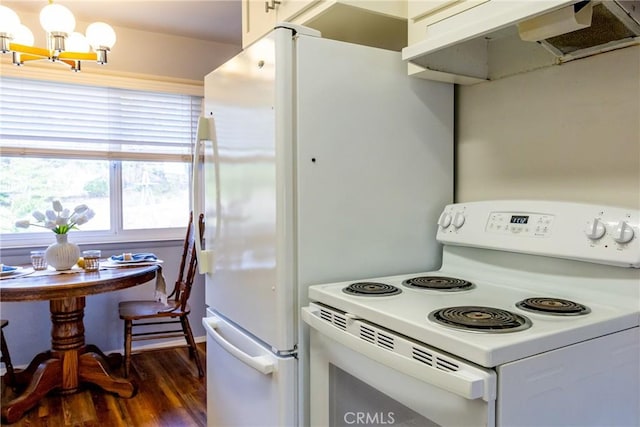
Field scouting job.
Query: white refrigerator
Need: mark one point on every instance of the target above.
(323, 161)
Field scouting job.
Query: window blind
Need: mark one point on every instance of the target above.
(53, 119)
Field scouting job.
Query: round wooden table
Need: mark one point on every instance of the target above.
(70, 361)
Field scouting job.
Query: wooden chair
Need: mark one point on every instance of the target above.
(150, 315)
(6, 358)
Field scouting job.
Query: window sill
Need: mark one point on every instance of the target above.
(105, 247)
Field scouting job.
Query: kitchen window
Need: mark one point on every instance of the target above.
(125, 153)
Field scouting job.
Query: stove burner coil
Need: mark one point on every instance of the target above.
(480, 319)
(439, 283)
(553, 306)
(371, 289)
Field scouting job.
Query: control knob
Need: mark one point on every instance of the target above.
(623, 232)
(458, 219)
(445, 220)
(595, 229)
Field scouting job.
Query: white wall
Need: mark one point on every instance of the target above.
(569, 132)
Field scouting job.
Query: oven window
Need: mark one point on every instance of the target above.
(354, 402)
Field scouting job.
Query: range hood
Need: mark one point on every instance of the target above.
(607, 25)
(496, 38)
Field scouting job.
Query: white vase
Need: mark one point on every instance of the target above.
(62, 255)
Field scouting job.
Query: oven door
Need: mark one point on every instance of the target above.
(362, 374)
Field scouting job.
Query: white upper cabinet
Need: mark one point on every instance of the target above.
(260, 16)
(290, 8)
(255, 21)
(423, 13)
(380, 23)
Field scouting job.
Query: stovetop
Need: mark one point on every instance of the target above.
(408, 312)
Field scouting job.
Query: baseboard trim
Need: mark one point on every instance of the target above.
(180, 342)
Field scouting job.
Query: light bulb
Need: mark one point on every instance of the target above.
(56, 18)
(9, 21)
(76, 42)
(101, 35)
(23, 36)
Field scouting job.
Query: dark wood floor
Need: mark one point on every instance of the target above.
(170, 394)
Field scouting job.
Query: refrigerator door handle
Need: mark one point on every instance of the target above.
(262, 364)
(206, 132)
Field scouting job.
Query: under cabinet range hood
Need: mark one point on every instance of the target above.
(498, 38)
(606, 25)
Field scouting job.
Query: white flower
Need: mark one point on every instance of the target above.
(38, 215)
(81, 220)
(23, 223)
(59, 220)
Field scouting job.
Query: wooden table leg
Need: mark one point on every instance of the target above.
(68, 364)
(23, 376)
(94, 369)
(67, 338)
(46, 378)
(114, 359)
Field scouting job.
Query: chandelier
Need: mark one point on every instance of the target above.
(64, 45)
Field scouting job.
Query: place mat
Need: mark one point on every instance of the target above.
(50, 271)
(8, 270)
(18, 272)
(109, 264)
(129, 258)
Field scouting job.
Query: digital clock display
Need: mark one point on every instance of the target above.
(519, 219)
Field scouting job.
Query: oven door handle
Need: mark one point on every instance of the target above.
(467, 381)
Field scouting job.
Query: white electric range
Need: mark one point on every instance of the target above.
(532, 319)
